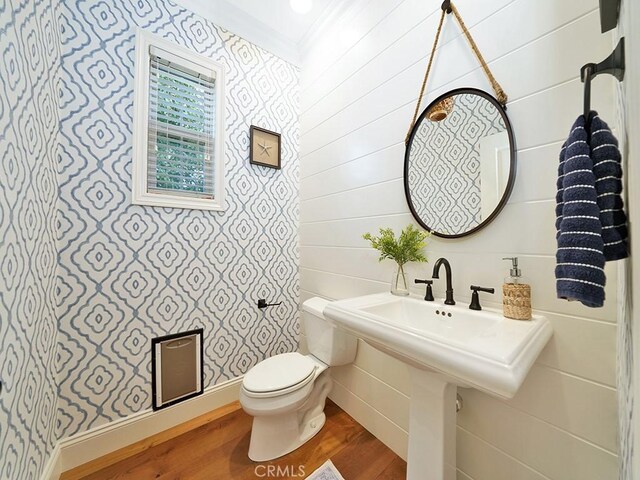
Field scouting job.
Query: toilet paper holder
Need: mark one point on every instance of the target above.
(262, 303)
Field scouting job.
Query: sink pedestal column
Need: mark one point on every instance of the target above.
(432, 427)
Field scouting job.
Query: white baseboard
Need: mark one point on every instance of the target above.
(389, 433)
(52, 467)
(97, 442)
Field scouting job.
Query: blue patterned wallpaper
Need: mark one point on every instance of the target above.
(29, 66)
(129, 273)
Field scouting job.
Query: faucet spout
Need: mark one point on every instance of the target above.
(436, 274)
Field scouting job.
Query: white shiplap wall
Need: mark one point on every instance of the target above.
(358, 90)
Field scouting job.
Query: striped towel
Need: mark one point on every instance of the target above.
(588, 212)
(607, 168)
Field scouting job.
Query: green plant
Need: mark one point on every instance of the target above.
(406, 248)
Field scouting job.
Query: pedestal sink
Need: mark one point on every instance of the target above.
(444, 347)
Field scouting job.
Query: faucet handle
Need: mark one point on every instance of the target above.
(429, 294)
(475, 298)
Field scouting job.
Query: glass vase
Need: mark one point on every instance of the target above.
(399, 283)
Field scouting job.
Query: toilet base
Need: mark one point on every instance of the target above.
(273, 436)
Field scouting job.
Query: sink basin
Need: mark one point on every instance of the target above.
(482, 349)
(445, 347)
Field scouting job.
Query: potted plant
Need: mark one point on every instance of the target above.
(406, 248)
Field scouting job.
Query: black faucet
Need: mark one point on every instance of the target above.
(436, 269)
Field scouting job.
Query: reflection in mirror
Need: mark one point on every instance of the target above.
(459, 164)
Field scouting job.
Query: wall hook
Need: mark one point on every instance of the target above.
(609, 14)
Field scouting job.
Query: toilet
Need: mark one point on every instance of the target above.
(286, 393)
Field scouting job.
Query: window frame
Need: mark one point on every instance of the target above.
(140, 193)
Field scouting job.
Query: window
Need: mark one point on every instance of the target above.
(178, 131)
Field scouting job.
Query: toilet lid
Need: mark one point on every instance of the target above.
(278, 372)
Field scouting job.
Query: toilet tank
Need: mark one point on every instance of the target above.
(325, 341)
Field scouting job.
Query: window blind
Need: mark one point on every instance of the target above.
(181, 131)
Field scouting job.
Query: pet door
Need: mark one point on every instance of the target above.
(176, 368)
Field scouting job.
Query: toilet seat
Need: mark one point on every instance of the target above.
(279, 375)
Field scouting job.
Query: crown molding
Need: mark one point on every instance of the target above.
(333, 12)
(232, 18)
(226, 15)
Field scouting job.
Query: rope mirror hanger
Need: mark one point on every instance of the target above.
(443, 108)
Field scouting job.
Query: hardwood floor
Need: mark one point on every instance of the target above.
(218, 451)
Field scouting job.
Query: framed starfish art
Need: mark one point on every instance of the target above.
(264, 147)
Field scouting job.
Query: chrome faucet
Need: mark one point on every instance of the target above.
(436, 274)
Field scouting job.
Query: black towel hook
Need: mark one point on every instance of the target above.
(613, 65)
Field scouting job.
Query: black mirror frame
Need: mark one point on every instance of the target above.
(512, 163)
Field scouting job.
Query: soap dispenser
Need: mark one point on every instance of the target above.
(516, 294)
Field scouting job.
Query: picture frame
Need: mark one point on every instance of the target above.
(265, 147)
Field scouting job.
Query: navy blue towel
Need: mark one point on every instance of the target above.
(607, 168)
(580, 258)
(590, 222)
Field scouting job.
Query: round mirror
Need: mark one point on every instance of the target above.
(459, 165)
